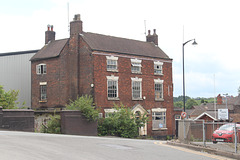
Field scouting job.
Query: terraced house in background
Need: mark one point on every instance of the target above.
(113, 70)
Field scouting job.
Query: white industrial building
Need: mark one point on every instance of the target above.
(15, 74)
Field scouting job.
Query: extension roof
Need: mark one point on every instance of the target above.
(103, 43)
(50, 50)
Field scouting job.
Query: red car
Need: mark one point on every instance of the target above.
(225, 133)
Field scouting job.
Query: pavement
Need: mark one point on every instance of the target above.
(225, 150)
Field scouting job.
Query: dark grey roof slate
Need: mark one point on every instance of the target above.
(210, 106)
(105, 43)
(99, 42)
(50, 50)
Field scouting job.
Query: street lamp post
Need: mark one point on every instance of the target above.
(226, 99)
(194, 43)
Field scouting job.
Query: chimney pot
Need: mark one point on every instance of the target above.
(154, 31)
(76, 25)
(49, 34)
(76, 17)
(48, 27)
(152, 38)
(149, 32)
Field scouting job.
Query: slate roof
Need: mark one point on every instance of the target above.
(237, 102)
(99, 42)
(210, 114)
(105, 43)
(50, 50)
(210, 106)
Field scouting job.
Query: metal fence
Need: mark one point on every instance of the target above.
(200, 132)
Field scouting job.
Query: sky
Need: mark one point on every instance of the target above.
(211, 67)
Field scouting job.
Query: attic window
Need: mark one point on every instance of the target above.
(41, 69)
(112, 63)
(158, 68)
(136, 65)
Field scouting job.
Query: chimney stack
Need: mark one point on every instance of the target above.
(49, 34)
(76, 25)
(152, 38)
(219, 99)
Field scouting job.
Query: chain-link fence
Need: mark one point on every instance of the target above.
(220, 135)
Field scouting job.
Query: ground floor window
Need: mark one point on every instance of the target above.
(43, 91)
(158, 118)
(108, 112)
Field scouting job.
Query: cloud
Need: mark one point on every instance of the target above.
(213, 23)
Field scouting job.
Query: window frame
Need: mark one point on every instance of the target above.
(112, 78)
(158, 71)
(41, 69)
(161, 96)
(162, 118)
(107, 112)
(139, 81)
(136, 63)
(43, 92)
(109, 60)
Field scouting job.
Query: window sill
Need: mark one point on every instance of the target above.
(41, 74)
(137, 99)
(159, 129)
(158, 74)
(159, 100)
(43, 101)
(112, 70)
(136, 72)
(113, 99)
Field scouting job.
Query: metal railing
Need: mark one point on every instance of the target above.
(200, 132)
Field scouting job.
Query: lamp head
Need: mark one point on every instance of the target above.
(194, 42)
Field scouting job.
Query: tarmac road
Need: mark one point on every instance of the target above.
(38, 146)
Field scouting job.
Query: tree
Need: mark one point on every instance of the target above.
(85, 105)
(180, 98)
(8, 99)
(190, 103)
(122, 123)
(178, 104)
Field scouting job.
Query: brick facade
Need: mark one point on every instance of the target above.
(125, 93)
(80, 70)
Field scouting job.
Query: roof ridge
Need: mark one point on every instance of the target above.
(119, 37)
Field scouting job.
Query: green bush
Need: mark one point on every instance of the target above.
(53, 125)
(85, 105)
(122, 123)
(8, 99)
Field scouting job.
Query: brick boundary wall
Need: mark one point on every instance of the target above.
(17, 119)
(74, 123)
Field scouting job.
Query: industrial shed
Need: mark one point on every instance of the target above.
(15, 73)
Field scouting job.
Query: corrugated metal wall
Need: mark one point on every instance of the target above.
(15, 73)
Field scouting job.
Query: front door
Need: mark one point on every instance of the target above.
(138, 110)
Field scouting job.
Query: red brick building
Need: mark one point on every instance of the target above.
(113, 70)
